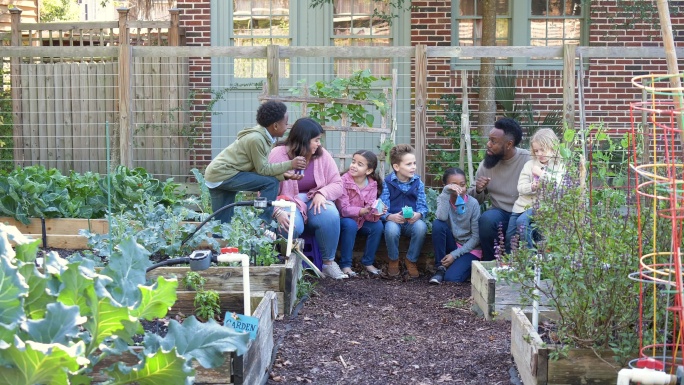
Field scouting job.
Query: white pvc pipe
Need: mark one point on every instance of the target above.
(244, 260)
(645, 377)
(535, 301)
(290, 231)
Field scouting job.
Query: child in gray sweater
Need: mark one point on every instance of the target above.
(455, 231)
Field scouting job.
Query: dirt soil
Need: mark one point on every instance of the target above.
(377, 331)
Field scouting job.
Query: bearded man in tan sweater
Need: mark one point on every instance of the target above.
(496, 180)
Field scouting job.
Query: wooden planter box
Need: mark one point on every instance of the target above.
(531, 357)
(249, 368)
(282, 279)
(492, 299)
(227, 281)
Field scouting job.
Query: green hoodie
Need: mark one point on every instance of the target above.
(249, 152)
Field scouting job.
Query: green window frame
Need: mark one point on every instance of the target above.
(356, 23)
(528, 23)
(259, 23)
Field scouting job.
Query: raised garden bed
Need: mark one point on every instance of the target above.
(495, 299)
(227, 281)
(251, 367)
(531, 356)
(62, 233)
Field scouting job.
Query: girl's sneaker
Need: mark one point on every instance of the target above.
(373, 271)
(349, 272)
(333, 271)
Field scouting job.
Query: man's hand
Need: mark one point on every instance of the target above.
(481, 183)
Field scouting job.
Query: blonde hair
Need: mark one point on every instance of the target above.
(546, 138)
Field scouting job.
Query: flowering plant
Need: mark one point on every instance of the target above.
(588, 249)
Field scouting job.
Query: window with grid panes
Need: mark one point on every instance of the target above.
(260, 23)
(354, 24)
(523, 23)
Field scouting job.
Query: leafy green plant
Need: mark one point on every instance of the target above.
(37, 192)
(205, 197)
(246, 233)
(587, 252)
(207, 302)
(58, 323)
(160, 229)
(359, 86)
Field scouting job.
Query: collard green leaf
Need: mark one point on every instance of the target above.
(205, 342)
(105, 318)
(37, 300)
(59, 325)
(128, 271)
(166, 368)
(13, 290)
(35, 363)
(157, 299)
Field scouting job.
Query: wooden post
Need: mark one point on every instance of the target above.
(420, 106)
(569, 85)
(174, 34)
(465, 126)
(272, 68)
(125, 132)
(672, 67)
(15, 84)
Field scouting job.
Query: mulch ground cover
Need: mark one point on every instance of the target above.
(377, 331)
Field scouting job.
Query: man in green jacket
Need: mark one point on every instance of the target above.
(244, 165)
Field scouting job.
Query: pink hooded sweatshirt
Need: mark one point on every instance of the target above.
(326, 175)
(354, 199)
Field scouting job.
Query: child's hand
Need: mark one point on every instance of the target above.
(537, 171)
(455, 189)
(416, 216)
(396, 218)
(364, 211)
(292, 176)
(447, 260)
(535, 184)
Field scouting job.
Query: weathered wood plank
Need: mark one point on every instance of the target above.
(32, 129)
(252, 367)
(483, 287)
(583, 366)
(50, 131)
(68, 52)
(528, 350)
(230, 302)
(227, 278)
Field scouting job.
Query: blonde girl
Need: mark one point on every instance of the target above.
(544, 166)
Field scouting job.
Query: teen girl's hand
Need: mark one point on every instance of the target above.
(364, 211)
(455, 189)
(447, 260)
(317, 202)
(283, 220)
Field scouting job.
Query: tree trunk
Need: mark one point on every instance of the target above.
(487, 101)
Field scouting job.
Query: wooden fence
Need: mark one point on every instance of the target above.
(64, 105)
(131, 116)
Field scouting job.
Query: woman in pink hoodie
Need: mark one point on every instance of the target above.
(359, 211)
(314, 193)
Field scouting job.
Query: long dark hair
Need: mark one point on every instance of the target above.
(372, 161)
(301, 133)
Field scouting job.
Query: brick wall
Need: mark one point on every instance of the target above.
(195, 18)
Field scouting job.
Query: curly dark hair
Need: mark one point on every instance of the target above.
(511, 129)
(270, 112)
(397, 153)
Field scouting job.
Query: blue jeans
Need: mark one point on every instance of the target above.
(521, 223)
(225, 193)
(348, 232)
(491, 221)
(325, 227)
(415, 231)
(443, 243)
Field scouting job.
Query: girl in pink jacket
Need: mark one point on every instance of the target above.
(359, 211)
(314, 193)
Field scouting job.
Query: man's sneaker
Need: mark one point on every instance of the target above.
(412, 269)
(439, 276)
(333, 271)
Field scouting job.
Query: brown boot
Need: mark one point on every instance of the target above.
(393, 269)
(412, 269)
